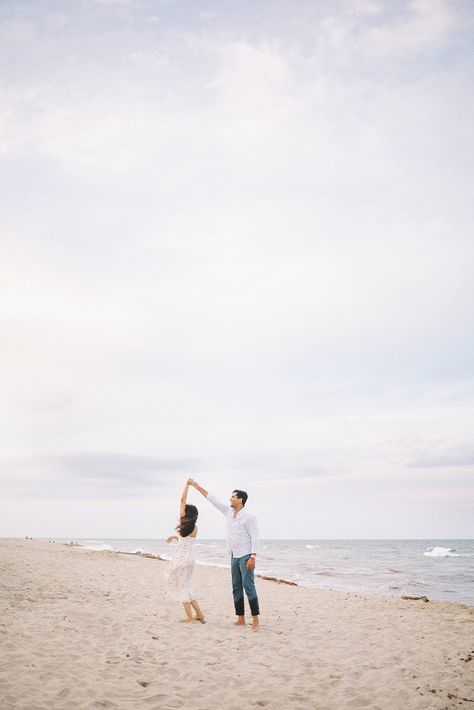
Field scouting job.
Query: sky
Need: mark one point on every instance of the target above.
(236, 244)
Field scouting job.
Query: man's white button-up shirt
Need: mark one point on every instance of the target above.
(242, 530)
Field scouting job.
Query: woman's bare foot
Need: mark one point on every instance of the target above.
(186, 621)
(201, 619)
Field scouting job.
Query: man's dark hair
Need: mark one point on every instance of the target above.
(241, 495)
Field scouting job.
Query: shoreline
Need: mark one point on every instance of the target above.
(96, 630)
(151, 556)
(267, 576)
(278, 580)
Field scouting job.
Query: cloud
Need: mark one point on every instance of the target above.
(116, 466)
(368, 7)
(426, 23)
(399, 29)
(94, 475)
(239, 245)
(444, 460)
(112, 3)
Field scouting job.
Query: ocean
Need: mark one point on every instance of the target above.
(438, 569)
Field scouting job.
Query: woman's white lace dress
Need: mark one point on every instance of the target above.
(181, 570)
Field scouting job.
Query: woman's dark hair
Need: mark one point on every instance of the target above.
(188, 522)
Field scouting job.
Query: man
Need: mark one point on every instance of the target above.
(242, 543)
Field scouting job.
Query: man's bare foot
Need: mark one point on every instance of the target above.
(255, 625)
(240, 621)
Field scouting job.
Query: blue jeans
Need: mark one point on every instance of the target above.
(242, 578)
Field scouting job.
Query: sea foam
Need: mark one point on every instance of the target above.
(99, 548)
(440, 552)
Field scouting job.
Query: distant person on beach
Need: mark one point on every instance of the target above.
(183, 562)
(242, 543)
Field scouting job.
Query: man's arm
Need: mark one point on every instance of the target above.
(212, 499)
(199, 488)
(252, 528)
(254, 536)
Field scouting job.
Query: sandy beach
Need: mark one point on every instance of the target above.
(83, 629)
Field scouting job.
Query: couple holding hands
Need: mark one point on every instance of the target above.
(242, 542)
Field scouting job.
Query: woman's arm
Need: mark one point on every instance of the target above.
(171, 538)
(184, 497)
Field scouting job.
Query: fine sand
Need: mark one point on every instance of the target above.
(82, 629)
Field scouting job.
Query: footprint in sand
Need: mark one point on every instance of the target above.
(156, 698)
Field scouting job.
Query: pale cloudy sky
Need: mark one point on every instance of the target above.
(236, 243)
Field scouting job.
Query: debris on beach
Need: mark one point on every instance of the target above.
(278, 581)
(407, 596)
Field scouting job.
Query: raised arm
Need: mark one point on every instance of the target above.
(184, 497)
(212, 499)
(199, 488)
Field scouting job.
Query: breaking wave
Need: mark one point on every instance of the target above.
(440, 552)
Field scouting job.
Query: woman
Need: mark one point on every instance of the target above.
(182, 564)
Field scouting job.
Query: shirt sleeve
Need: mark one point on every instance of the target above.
(252, 527)
(218, 504)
